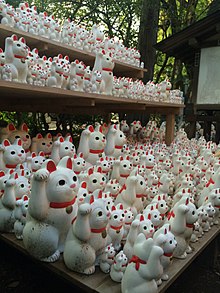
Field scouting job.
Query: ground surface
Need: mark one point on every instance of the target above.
(20, 274)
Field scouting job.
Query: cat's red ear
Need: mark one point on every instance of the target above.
(24, 127)
(11, 127)
(51, 167)
(69, 164)
(6, 142)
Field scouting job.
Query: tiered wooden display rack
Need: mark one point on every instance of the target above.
(24, 97)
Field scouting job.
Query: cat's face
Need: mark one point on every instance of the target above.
(14, 154)
(99, 214)
(37, 161)
(147, 228)
(96, 181)
(117, 217)
(67, 148)
(62, 185)
(23, 135)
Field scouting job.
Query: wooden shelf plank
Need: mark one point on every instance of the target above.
(52, 48)
(100, 282)
(17, 95)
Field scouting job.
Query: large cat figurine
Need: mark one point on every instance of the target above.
(51, 209)
(87, 237)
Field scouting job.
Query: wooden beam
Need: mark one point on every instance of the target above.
(193, 42)
(170, 125)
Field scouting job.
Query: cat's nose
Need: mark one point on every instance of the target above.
(72, 185)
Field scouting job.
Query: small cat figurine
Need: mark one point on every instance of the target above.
(20, 216)
(87, 237)
(11, 154)
(44, 144)
(116, 226)
(61, 148)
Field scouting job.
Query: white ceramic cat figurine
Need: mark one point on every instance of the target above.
(92, 143)
(12, 133)
(51, 209)
(16, 52)
(11, 154)
(166, 240)
(94, 179)
(115, 139)
(87, 237)
(8, 15)
(107, 259)
(115, 227)
(143, 268)
(79, 164)
(105, 64)
(20, 213)
(7, 206)
(118, 267)
(61, 148)
(129, 217)
(139, 225)
(36, 161)
(132, 192)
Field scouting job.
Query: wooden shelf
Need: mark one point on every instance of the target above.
(28, 98)
(100, 282)
(52, 48)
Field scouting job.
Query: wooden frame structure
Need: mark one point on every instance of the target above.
(186, 46)
(24, 97)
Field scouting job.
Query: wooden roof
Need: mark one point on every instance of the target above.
(184, 44)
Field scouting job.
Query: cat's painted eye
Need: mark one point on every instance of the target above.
(22, 185)
(12, 152)
(145, 227)
(84, 194)
(51, 142)
(78, 163)
(17, 136)
(62, 182)
(94, 181)
(22, 151)
(103, 178)
(96, 138)
(66, 148)
(100, 214)
(74, 178)
(36, 162)
(115, 216)
(27, 136)
(43, 143)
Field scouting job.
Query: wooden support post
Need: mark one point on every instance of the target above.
(170, 124)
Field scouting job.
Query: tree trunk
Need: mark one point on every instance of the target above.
(148, 35)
